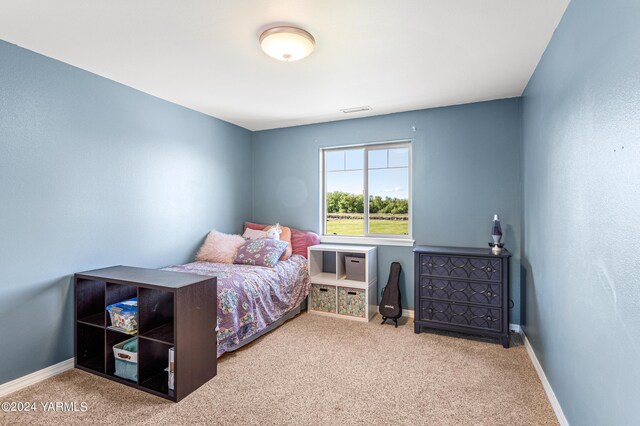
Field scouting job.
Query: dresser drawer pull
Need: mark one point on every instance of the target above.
(430, 310)
(430, 287)
(489, 269)
(324, 289)
(488, 318)
(430, 265)
(489, 293)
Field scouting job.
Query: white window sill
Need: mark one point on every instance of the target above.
(377, 241)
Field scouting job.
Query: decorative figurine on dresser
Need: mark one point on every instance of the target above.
(465, 290)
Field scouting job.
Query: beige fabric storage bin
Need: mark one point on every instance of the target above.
(355, 268)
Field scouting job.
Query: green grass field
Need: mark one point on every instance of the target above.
(376, 226)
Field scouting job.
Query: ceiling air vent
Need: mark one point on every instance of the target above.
(356, 109)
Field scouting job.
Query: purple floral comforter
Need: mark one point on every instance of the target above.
(252, 297)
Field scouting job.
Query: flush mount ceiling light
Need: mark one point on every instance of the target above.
(287, 43)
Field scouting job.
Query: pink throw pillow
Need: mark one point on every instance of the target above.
(219, 247)
(254, 234)
(301, 240)
(252, 225)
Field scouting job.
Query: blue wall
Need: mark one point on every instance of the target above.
(92, 174)
(581, 136)
(466, 167)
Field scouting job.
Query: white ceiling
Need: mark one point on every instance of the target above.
(393, 55)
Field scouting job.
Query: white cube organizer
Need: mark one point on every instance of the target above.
(332, 292)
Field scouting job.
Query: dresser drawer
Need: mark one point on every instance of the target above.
(470, 316)
(471, 268)
(485, 293)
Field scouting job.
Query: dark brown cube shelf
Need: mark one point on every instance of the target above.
(90, 348)
(173, 308)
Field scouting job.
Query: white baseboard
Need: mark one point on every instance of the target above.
(407, 313)
(33, 378)
(555, 404)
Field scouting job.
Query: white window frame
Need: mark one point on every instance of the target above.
(367, 238)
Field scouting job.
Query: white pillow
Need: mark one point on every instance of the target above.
(219, 247)
(254, 234)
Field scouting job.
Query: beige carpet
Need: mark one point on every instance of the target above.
(324, 371)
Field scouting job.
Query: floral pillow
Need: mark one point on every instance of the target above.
(284, 236)
(262, 252)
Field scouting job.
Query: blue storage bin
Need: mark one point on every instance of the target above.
(127, 360)
(124, 315)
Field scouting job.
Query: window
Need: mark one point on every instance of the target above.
(367, 190)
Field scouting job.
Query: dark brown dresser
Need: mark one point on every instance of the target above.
(465, 290)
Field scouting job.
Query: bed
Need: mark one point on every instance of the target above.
(253, 300)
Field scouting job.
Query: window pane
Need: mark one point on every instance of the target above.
(345, 203)
(334, 160)
(399, 157)
(389, 201)
(355, 159)
(387, 174)
(378, 158)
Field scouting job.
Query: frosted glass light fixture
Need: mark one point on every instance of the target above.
(287, 43)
